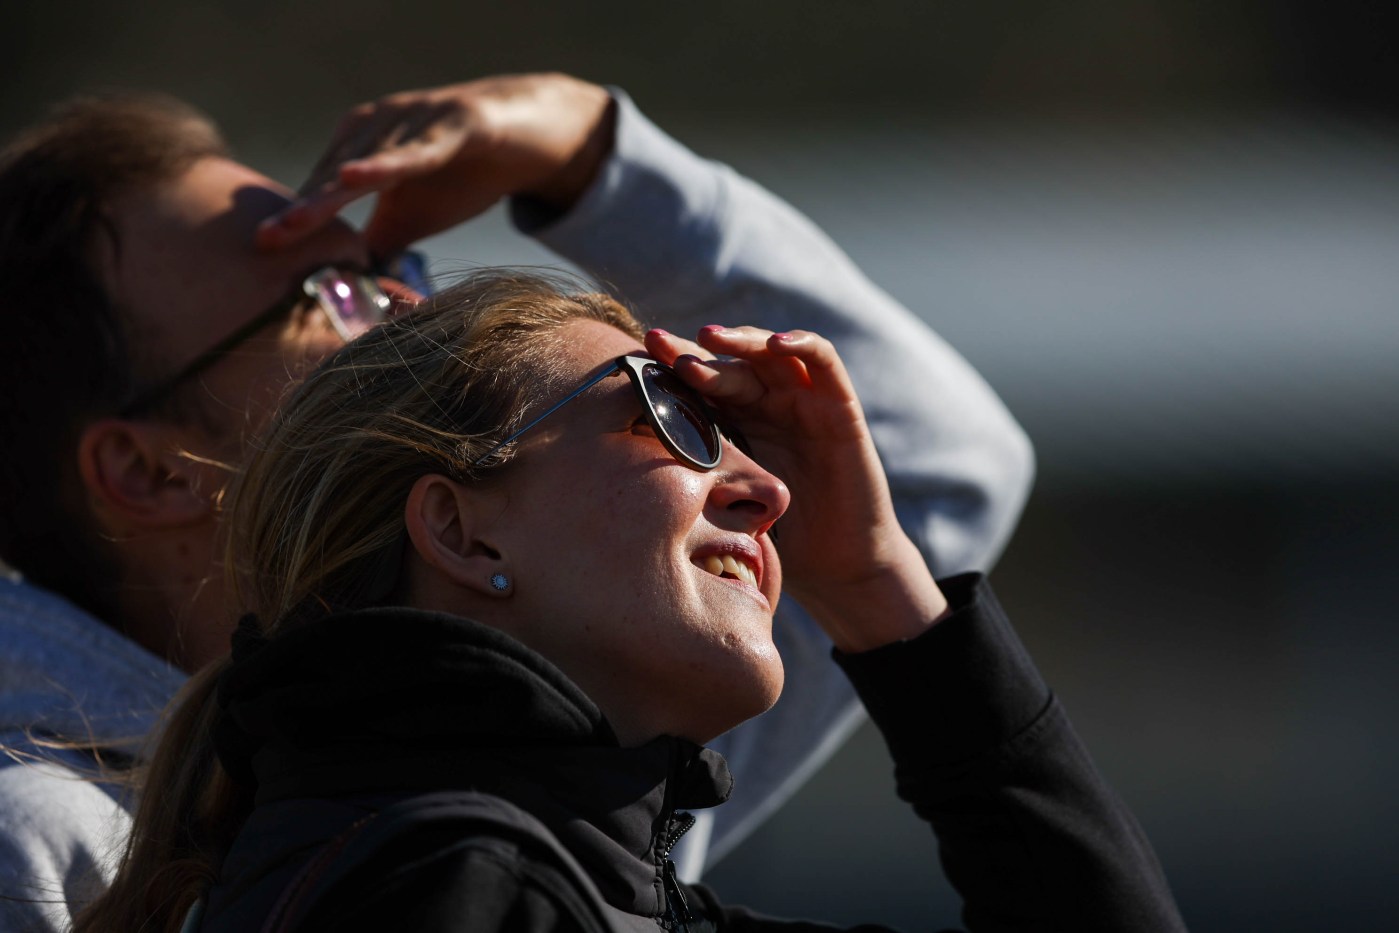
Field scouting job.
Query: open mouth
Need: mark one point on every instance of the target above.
(728, 566)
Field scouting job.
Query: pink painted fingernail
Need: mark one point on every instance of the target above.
(659, 332)
(783, 338)
(713, 328)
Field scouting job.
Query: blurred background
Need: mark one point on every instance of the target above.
(1165, 231)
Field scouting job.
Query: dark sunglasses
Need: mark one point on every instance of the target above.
(351, 300)
(686, 425)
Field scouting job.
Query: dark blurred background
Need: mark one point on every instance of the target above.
(1165, 231)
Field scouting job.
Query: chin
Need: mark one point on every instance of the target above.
(745, 696)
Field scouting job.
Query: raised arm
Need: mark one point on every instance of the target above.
(1028, 831)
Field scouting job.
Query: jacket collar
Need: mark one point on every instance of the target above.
(400, 700)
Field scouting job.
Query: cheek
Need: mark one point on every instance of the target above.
(692, 484)
(300, 357)
(249, 384)
(293, 361)
(621, 522)
(653, 509)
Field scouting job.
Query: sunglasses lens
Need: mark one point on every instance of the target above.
(682, 416)
(354, 302)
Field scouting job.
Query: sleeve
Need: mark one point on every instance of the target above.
(690, 242)
(1028, 831)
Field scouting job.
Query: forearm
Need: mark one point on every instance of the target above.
(1029, 832)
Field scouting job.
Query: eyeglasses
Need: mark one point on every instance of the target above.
(352, 302)
(687, 426)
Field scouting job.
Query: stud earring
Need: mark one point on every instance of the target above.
(500, 582)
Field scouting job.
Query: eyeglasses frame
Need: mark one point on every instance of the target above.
(632, 366)
(150, 395)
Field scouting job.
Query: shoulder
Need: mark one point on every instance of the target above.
(450, 862)
(57, 814)
(64, 673)
(429, 883)
(60, 836)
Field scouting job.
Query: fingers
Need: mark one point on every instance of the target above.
(795, 359)
(303, 217)
(667, 347)
(729, 383)
(716, 379)
(403, 142)
(387, 127)
(375, 148)
(440, 156)
(821, 362)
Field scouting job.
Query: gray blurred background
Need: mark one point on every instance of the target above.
(1165, 231)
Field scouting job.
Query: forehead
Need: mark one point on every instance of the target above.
(186, 267)
(590, 344)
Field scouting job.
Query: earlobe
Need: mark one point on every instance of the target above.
(443, 521)
(134, 471)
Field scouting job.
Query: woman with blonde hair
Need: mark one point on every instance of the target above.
(508, 564)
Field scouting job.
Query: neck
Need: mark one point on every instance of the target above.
(171, 598)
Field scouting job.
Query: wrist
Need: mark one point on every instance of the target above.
(563, 188)
(897, 602)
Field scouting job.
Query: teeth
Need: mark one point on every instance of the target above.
(732, 566)
(719, 566)
(739, 570)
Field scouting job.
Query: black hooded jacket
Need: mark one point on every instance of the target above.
(367, 712)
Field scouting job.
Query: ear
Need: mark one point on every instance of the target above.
(443, 518)
(136, 470)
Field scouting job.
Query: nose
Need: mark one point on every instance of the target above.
(746, 497)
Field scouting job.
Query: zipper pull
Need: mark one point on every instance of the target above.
(678, 919)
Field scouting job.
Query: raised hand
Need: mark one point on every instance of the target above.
(438, 157)
(843, 552)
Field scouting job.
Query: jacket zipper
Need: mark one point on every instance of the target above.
(676, 918)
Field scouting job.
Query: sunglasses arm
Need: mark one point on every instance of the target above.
(610, 370)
